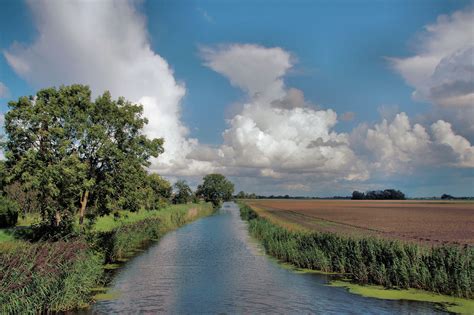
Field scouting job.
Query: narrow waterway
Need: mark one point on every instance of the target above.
(213, 266)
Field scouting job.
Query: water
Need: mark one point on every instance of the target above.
(213, 266)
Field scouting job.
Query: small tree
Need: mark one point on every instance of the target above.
(357, 195)
(160, 189)
(241, 195)
(216, 189)
(183, 192)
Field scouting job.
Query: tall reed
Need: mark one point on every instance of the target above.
(368, 260)
(47, 276)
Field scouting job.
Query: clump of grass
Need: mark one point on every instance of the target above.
(367, 260)
(47, 276)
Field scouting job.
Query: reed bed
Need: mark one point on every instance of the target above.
(369, 260)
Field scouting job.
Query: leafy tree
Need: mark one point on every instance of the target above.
(216, 189)
(183, 192)
(241, 195)
(160, 191)
(27, 199)
(357, 195)
(3, 176)
(446, 197)
(8, 212)
(75, 152)
(379, 195)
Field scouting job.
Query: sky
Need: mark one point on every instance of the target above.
(310, 98)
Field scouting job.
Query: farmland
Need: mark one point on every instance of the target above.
(426, 222)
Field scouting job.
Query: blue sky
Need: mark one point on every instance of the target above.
(340, 60)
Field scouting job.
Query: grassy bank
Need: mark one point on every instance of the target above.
(391, 264)
(58, 276)
(117, 238)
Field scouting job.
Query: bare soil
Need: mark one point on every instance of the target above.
(432, 222)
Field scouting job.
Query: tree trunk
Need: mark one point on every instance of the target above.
(82, 211)
(57, 218)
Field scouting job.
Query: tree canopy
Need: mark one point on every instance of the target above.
(216, 188)
(386, 194)
(77, 152)
(183, 192)
(159, 191)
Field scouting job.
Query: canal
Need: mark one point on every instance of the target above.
(213, 266)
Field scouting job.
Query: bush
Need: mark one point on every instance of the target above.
(8, 212)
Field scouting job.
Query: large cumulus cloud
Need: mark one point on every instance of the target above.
(399, 146)
(277, 133)
(442, 69)
(105, 45)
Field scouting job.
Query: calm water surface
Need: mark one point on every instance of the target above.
(213, 266)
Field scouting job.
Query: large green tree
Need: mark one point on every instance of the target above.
(77, 152)
(216, 188)
(159, 191)
(183, 193)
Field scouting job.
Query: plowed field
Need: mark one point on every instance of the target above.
(433, 222)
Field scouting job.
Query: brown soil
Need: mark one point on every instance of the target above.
(433, 222)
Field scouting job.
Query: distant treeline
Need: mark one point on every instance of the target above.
(244, 195)
(387, 194)
(449, 197)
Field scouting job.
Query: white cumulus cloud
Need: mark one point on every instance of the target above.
(444, 134)
(394, 146)
(277, 132)
(443, 68)
(105, 45)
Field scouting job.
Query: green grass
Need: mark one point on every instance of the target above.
(5, 236)
(29, 219)
(108, 223)
(452, 304)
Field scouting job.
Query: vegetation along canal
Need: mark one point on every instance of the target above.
(213, 266)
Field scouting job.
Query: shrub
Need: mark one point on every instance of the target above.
(8, 212)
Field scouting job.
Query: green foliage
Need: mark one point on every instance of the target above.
(74, 151)
(387, 194)
(158, 192)
(393, 264)
(183, 192)
(26, 198)
(216, 189)
(47, 276)
(8, 212)
(3, 176)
